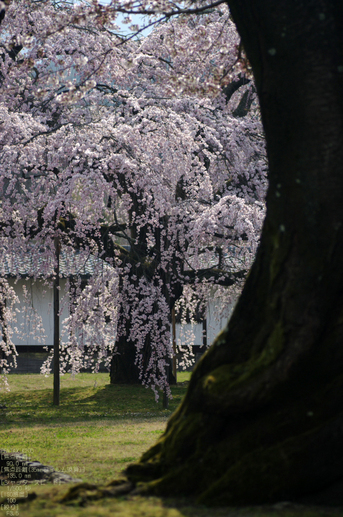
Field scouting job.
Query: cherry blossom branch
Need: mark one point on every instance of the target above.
(221, 277)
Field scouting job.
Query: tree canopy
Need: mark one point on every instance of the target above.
(115, 149)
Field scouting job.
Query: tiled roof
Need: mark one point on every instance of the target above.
(16, 265)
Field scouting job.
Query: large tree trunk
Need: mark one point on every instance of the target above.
(124, 369)
(124, 364)
(263, 417)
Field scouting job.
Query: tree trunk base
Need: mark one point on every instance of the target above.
(124, 369)
(304, 468)
(288, 449)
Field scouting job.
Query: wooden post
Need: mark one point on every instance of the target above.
(165, 400)
(174, 343)
(204, 332)
(56, 397)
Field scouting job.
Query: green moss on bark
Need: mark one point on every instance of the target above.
(281, 451)
(230, 376)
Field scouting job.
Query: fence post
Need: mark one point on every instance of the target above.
(56, 396)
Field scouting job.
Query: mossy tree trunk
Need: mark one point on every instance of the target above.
(263, 417)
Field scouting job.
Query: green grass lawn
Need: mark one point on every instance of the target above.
(97, 430)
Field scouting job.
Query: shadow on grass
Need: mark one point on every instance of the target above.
(32, 407)
(119, 396)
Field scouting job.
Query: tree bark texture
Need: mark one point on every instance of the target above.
(263, 416)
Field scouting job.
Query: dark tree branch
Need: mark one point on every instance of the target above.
(231, 88)
(2, 11)
(221, 276)
(244, 104)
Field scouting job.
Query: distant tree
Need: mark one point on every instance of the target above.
(115, 151)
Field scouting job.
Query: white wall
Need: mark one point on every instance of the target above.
(187, 332)
(40, 298)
